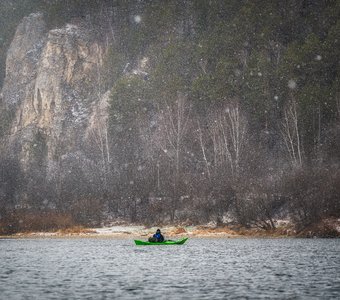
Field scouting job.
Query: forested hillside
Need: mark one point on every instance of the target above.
(169, 112)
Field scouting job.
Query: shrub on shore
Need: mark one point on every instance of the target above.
(27, 221)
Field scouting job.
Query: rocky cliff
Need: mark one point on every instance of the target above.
(53, 83)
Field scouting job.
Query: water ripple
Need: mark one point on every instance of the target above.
(201, 269)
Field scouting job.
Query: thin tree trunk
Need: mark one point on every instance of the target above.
(203, 149)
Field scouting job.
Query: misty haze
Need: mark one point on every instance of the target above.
(206, 119)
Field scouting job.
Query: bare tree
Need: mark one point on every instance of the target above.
(174, 125)
(233, 126)
(202, 145)
(291, 134)
(338, 103)
(227, 131)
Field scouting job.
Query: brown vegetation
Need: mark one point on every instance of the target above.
(202, 230)
(325, 229)
(176, 231)
(26, 221)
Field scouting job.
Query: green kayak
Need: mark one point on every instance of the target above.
(144, 243)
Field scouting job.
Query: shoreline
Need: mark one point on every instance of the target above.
(134, 232)
(123, 232)
(172, 232)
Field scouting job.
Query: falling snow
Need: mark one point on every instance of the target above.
(191, 109)
(137, 19)
(292, 84)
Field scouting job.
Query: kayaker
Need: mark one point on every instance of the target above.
(157, 237)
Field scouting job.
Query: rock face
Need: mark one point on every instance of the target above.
(53, 82)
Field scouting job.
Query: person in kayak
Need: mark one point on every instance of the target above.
(157, 237)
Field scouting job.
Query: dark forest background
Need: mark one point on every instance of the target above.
(235, 119)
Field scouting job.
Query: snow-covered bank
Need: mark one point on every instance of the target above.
(325, 228)
(284, 228)
(133, 231)
(168, 231)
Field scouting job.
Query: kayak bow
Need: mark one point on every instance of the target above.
(145, 243)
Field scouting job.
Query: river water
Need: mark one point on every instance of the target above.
(96, 268)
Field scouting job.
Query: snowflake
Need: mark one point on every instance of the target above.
(318, 57)
(292, 84)
(137, 19)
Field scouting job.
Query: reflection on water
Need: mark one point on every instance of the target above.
(200, 269)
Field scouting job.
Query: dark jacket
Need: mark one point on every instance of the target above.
(159, 237)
